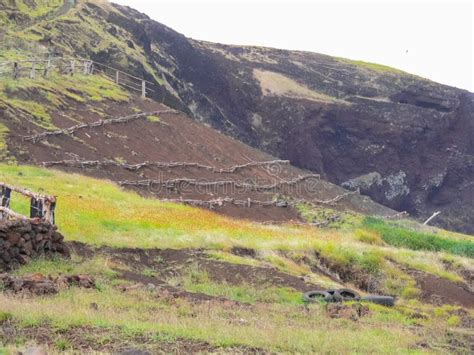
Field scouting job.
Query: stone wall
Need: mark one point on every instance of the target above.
(20, 241)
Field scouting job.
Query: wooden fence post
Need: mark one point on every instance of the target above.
(16, 70)
(33, 70)
(46, 68)
(117, 77)
(143, 89)
(73, 67)
(5, 194)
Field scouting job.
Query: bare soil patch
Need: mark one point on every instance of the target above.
(170, 263)
(438, 291)
(175, 138)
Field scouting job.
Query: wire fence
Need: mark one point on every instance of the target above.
(33, 68)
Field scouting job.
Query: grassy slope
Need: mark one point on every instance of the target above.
(38, 98)
(99, 213)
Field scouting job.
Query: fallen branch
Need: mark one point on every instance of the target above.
(8, 212)
(66, 131)
(28, 193)
(240, 185)
(218, 202)
(247, 203)
(431, 218)
(332, 201)
(136, 167)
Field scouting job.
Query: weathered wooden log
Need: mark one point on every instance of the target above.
(240, 185)
(136, 167)
(41, 136)
(28, 193)
(13, 214)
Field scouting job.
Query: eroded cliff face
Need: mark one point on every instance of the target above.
(405, 141)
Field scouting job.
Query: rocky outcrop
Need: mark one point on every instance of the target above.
(20, 241)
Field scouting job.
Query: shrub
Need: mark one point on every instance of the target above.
(371, 261)
(369, 237)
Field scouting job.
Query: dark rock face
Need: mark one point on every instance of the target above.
(21, 241)
(405, 141)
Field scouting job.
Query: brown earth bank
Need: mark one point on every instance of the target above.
(105, 340)
(175, 138)
(20, 241)
(403, 140)
(173, 262)
(169, 263)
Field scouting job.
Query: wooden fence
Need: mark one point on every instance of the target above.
(33, 68)
(41, 206)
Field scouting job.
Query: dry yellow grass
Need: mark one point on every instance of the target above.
(276, 84)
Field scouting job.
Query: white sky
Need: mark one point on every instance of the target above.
(433, 39)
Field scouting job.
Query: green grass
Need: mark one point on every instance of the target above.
(379, 68)
(40, 98)
(416, 240)
(196, 280)
(40, 7)
(153, 118)
(98, 212)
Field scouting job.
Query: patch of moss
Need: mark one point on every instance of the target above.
(153, 118)
(40, 116)
(38, 8)
(379, 68)
(40, 97)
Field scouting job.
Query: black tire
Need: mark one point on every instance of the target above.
(382, 300)
(345, 294)
(315, 296)
(335, 295)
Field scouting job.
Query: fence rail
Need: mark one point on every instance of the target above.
(33, 68)
(41, 206)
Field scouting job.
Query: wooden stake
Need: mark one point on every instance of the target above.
(33, 70)
(431, 218)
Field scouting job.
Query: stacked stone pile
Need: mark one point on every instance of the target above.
(22, 240)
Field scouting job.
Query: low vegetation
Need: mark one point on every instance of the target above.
(401, 237)
(262, 316)
(99, 213)
(379, 68)
(39, 98)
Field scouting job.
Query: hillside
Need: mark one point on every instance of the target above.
(404, 141)
(187, 279)
(210, 283)
(177, 158)
(185, 239)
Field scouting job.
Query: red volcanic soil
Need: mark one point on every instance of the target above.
(177, 138)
